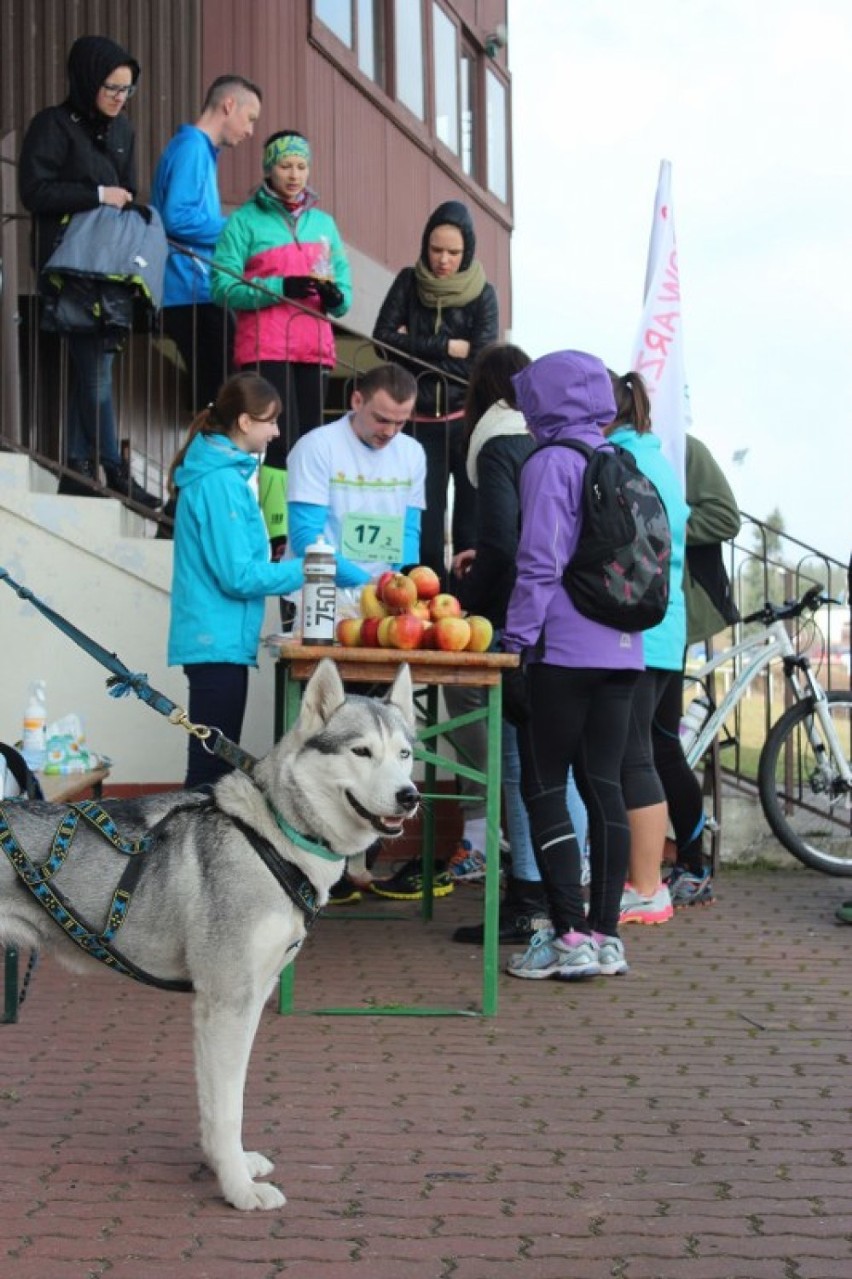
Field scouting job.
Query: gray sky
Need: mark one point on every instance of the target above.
(751, 102)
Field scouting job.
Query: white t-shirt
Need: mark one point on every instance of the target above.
(365, 490)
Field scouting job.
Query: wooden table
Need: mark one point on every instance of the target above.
(57, 788)
(431, 670)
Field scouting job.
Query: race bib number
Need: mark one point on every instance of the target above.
(373, 538)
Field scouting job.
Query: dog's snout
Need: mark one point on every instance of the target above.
(408, 798)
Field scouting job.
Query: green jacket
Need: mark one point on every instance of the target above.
(714, 518)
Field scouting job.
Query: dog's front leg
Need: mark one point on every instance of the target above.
(224, 1035)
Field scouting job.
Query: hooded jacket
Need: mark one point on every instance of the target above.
(263, 243)
(714, 518)
(563, 396)
(186, 193)
(222, 572)
(478, 322)
(71, 149)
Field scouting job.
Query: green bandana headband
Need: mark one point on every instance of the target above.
(289, 144)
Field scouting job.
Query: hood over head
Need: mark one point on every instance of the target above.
(562, 390)
(91, 61)
(451, 213)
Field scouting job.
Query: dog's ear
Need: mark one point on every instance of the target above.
(401, 695)
(322, 697)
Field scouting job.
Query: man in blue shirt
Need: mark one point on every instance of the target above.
(186, 194)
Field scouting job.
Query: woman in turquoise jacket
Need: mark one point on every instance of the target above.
(281, 266)
(646, 900)
(222, 573)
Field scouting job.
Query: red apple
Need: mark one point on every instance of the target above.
(369, 632)
(371, 605)
(348, 631)
(451, 634)
(481, 633)
(383, 633)
(381, 580)
(405, 630)
(426, 580)
(427, 637)
(398, 593)
(444, 605)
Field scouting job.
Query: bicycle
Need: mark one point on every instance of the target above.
(804, 775)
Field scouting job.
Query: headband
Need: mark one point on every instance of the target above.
(287, 144)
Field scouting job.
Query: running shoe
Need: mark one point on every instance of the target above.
(344, 893)
(636, 909)
(406, 885)
(689, 889)
(467, 863)
(611, 955)
(568, 957)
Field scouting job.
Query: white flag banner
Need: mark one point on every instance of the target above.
(658, 350)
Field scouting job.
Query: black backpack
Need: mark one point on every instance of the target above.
(619, 572)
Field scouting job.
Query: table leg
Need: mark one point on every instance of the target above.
(490, 940)
(430, 773)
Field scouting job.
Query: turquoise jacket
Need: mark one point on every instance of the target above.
(222, 572)
(664, 644)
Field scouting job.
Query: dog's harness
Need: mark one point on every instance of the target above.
(100, 945)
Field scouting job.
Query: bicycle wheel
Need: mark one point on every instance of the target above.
(804, 798)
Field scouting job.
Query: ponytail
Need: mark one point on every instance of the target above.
(632, 403)
(244, 393)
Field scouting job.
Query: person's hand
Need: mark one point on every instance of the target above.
(299, 287)
(329, 295)
(458, 348)
(462, 562)
(118, 197)
(516, 698)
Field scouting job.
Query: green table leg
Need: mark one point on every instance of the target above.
(428, 847)
(490, 940)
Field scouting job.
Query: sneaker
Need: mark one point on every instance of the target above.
(467, 863)
(689, 889)
(611, 955)
(567, 957)
(636, 909)
(407, 884)
(343, 893)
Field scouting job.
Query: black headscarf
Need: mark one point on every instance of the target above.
(91, 61)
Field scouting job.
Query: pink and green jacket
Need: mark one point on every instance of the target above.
(261, 244)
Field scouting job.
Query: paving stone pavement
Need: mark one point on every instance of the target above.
(690, 1120)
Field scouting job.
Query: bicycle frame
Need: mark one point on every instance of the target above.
(750, 656)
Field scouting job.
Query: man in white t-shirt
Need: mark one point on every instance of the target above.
(360, 482)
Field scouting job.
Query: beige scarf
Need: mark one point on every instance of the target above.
(459, 289)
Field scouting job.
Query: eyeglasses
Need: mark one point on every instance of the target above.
(119, 90)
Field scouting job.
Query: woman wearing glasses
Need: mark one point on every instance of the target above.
(76, 156)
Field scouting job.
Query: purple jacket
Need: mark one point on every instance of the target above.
(563, 396)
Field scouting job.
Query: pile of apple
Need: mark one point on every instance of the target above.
(409, 610)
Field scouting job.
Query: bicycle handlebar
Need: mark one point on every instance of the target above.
(812, 599)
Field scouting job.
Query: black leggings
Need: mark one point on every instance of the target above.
(579, 719)
(218, 692)
(443, 444)
(681, 786)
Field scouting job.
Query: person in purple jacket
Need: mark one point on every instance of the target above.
(571, 698)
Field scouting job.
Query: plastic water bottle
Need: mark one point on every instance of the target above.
(34, 740)
(319, 594)
(693, 721)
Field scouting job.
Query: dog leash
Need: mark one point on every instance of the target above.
(123, 681)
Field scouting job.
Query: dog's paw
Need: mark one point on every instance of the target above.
(257, 1194)
(258, 1165)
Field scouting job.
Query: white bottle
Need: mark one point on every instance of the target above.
(693, 721)
(319, 594)
(34, 740)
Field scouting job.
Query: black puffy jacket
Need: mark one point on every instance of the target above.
(71, 149)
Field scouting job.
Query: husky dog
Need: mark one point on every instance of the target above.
(208, 910)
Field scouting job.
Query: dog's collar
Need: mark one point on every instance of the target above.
(303, 841)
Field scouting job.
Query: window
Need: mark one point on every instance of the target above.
(408, 51)
(495, 136)
(467, 77)
(337, 16)
(446, 64)
(371, 45)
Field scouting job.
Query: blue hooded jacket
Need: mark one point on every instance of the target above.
(222, 572)
(566, 395)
